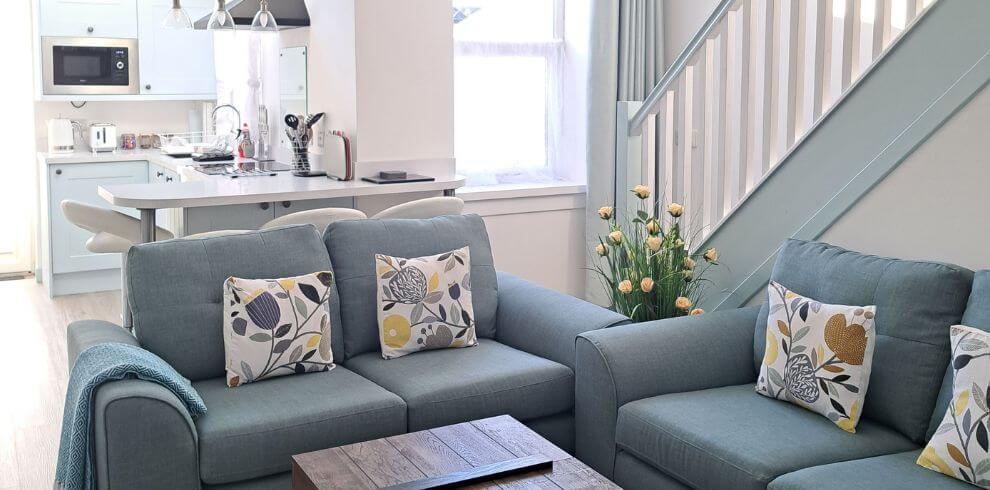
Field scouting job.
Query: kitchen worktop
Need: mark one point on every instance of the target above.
(200, 190)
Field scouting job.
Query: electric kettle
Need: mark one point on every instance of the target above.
(61, 136)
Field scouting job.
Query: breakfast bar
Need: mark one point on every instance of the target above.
(219, 191)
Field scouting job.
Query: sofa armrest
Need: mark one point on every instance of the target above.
(544, 322)
(87, 333)
(632, 362)
(143, 435)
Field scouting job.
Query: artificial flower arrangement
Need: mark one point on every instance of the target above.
(646, 266)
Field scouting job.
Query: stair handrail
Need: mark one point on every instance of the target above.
(649, 106)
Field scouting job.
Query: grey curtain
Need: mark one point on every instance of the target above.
(625, 62)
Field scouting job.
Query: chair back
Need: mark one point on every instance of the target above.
(97, 220)
(430, 207)
(320, 218)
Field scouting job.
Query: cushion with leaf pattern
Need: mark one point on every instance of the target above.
(960, 447)
(275, 327)
(818, 356)
(424, 303)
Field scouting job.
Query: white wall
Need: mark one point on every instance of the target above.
(934, 205)
(540, 239)
(383, 71)
(681, 21)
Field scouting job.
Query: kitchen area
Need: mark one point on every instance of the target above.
(202, 116)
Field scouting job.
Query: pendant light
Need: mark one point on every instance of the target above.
(264, 21)
(177, 18)
(221, 20)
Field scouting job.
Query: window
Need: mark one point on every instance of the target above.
(507, 74)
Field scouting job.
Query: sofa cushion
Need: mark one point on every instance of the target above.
(734, 438)
(353, 244)
(175, 290)
(449, 386)
(916, 303)
(977, 315)
(253, 430)
(889, 472)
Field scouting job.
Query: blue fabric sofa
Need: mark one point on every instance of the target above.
(144, 438)
(671, 404)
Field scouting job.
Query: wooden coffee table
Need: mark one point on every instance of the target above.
(437, 458)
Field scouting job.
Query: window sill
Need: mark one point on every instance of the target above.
(513, 191)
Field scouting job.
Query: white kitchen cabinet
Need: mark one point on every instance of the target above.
(170, 219)
(88, 18)
(175, 62)
(283, 208)
(79, 181)
(233, 217)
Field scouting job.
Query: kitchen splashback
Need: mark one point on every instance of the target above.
(130, 117)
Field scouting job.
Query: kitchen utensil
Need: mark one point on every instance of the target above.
(292, 121)
(102, 137)
(313, 119)
(61, 136)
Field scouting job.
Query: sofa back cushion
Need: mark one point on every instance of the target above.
(176, 289)
(353, 245)
(916, 304)
(977, 315)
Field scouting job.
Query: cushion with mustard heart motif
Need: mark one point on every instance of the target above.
(960, 447)
(424, 303)
(818, 356)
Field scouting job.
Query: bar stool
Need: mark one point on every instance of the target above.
(423, 208)
(113, 231)
(320, 218)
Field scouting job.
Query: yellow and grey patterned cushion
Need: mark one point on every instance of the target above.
(275, 327)
(818, 356)
(424, 303)
(960, 447)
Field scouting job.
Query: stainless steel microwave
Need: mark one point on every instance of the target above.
(89, 66)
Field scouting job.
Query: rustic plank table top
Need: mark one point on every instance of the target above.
(439, 452)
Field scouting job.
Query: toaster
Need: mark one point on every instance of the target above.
(102, 137)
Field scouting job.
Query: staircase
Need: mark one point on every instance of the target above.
(780, 114)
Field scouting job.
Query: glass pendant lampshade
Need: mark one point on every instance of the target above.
(177, 18)
(264, 21)
(221, 20)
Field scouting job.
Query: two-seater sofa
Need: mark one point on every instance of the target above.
(143, 437)
(672, 404)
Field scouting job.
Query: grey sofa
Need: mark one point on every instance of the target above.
(671, 404)
(144, 438)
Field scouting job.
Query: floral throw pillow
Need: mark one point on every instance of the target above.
(425, 303)
(274, 327)
(960, 447)
(818, 356)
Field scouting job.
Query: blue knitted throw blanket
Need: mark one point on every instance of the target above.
(96, 365)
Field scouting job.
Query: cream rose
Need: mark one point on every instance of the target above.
(606, 212)
(675, 210)
(625, 287)
(616, 237)
(697, 311)
(601, 249)
(689, 263)
(654, 243)
(682, 303)
(641, 191)
(646, 285)
(653, 227)
(678, 244)
(711, 255)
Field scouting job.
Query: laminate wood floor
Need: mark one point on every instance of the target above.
(33, 375)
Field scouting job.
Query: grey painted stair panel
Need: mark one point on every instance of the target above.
(931, 73)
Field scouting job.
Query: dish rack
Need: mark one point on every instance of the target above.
(181, 145)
